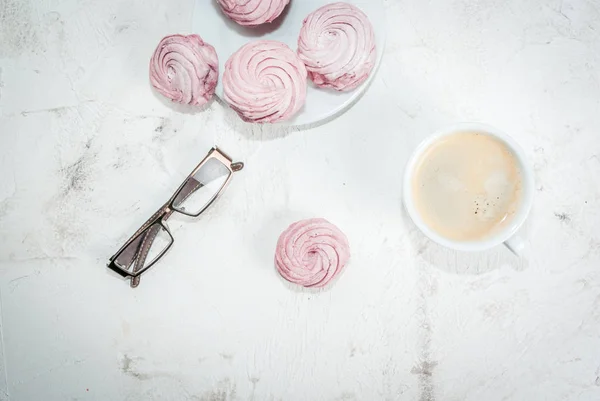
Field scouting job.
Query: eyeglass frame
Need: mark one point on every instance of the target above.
(165, 212)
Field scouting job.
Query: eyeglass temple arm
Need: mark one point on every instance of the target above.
(145, 246)
(147, 241)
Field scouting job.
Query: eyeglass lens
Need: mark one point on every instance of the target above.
(145, 250)
(202, 188)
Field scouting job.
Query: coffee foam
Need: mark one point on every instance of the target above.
(467, 186)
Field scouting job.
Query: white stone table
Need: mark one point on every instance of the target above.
(87, 152)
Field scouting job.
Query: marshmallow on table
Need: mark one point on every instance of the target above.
(311, 253)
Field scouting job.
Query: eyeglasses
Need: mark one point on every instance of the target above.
(152, 241)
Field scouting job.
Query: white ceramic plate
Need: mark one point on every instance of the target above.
(227, 37)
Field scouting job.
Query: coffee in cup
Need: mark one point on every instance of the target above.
(467, 186)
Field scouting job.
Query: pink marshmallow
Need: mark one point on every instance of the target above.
(311, 253)
(185, 69)
(265, 82)
(337, 44)
(253, 12)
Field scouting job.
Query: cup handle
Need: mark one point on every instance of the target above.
(516, 244)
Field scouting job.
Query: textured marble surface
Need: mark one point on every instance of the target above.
(87, 152)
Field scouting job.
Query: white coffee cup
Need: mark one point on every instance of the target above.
(508, 235)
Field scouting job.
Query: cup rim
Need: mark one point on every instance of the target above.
(520, 215)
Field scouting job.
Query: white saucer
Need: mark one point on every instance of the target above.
(227, 37)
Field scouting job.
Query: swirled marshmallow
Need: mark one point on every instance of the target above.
(253, 12)
(337, 44)
(311, 253)
(265, 82)
(185, 69)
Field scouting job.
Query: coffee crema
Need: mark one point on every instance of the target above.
(467, 186)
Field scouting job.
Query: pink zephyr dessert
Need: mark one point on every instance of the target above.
(337, 44)
(311, 253)
(185, 69)
(253, 12)
(265, 82)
